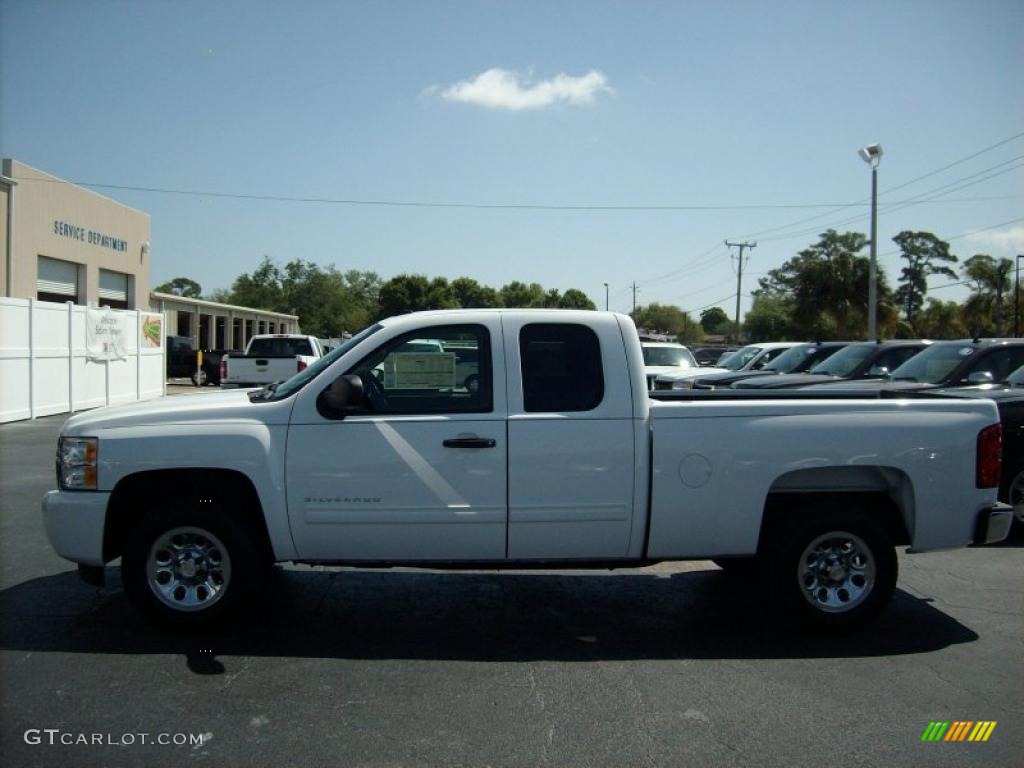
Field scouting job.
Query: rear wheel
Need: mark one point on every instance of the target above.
(199, 378)
(832, 570)
(192, 568)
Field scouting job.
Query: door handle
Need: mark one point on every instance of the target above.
(469, 442)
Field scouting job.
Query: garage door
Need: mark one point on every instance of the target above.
(57, 280)
(113, 286)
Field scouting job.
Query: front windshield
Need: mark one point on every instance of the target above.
(934, 364)
(669, 356)
(299, 380)
(791, 359)
(845, 361)
(741, 357)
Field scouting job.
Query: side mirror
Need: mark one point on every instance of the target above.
(344, 394)
(878, 370)
(981, 377)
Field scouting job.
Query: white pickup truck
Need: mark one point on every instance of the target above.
(553, 455)
(269, 358)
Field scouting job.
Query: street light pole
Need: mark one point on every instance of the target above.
(871, 154)
(606, 297)
(1016, 298)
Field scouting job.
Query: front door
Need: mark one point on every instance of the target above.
(421, 474)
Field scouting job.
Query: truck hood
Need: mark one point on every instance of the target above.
(229, 406)
(874, 385)
(677, 374)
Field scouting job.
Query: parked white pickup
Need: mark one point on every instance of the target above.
(545, 448)
(269, 358)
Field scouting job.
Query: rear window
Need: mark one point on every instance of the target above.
(273, 347)
(561, 368)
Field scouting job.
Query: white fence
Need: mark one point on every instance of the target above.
(46, 366)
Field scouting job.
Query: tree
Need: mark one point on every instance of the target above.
(414, 293)
(926, 255)
(985, 309)
(220, 295)
(714, 320)
(941, 320)
(769, 318)
(261, 289)
(517, 294)
(181, 286)
(575, 299)
(472, 295)
(827, 286)
(670, 320)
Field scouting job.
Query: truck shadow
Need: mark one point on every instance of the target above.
(313, 613)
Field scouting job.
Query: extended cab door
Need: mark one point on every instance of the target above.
(421, 473)
(570, 438)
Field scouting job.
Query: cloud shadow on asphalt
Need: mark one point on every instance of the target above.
(341, 613)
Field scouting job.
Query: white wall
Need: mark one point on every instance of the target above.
(44, 368)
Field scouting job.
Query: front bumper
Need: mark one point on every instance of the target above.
(74, 524)
(993, 524)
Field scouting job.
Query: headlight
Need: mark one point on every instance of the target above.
(76, 463)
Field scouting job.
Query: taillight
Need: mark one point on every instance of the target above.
(223, 369)
(300, 365)
(990, 456)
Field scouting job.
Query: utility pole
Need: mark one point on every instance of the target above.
(739, 280)
(634, 296)
(1016, 297)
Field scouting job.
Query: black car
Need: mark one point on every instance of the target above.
(1009, 399)
(862, 360)
(181, 357)
(799, 359)
(949, 364)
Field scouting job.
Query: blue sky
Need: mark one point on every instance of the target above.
(660, 104)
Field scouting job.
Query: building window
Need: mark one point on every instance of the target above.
(57, 280)
(113, 290)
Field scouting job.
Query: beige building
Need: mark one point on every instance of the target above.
(61, 242)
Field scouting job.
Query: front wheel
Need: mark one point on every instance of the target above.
(833, 570)
(192, 568)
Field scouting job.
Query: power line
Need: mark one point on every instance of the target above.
(890, 189)
(453, 205)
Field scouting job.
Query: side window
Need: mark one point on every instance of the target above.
(442, 369)
(561, 368)
(894, 358)
(770, 355)
(1000, 363)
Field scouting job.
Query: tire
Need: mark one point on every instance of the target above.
(199, 378)
(192, 564)
(1015, 497)
(832, 570)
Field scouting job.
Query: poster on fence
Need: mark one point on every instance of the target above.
(106, 333)
(151, 330)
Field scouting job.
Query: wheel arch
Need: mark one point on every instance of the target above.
(885, 494)
(232, 488)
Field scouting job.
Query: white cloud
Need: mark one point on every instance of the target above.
(506, 89)
(1001, 242)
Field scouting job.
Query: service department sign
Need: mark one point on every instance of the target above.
(90, 236)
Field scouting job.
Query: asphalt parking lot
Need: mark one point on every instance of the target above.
(669, 665)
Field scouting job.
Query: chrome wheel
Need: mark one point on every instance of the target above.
(1017, 496)
(836, 572)
(188, 569)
